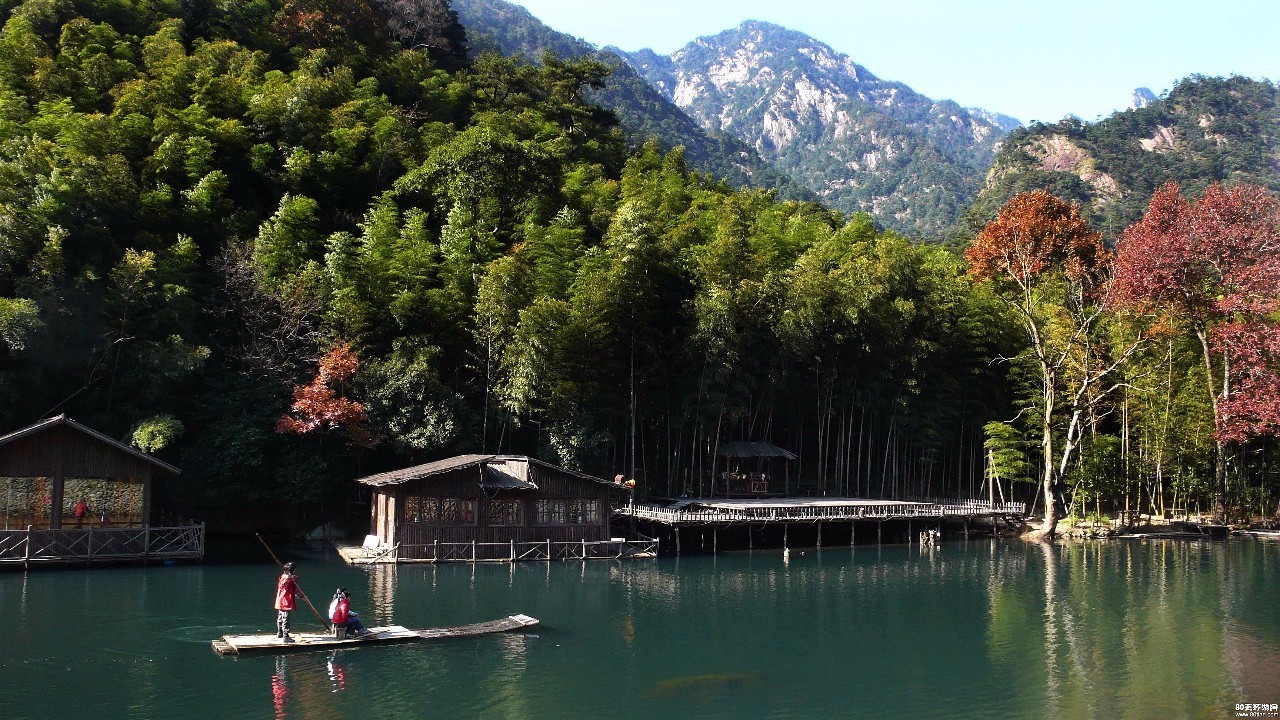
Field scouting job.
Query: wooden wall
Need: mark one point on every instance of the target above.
(62, 450)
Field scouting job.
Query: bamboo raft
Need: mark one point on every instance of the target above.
(270, 644)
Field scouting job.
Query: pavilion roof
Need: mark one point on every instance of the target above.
(753, 449)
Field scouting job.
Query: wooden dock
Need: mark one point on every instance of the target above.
(390, 634)
(789, 510)
(713, 525)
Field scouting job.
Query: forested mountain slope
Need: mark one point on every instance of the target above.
(1205, 130)
(643, 112)
(861, 143)
(286, 243)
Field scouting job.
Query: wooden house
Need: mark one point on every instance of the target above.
(490, 507)
(72, 494)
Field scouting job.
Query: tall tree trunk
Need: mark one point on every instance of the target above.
(1052, 496)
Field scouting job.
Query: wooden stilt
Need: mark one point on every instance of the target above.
(853, 527)
(879, 531)
(908, 532)
(677, 529)
(785, 527)
(715, 540)
(819, 534)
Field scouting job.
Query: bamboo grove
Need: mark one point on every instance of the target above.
(285, 243)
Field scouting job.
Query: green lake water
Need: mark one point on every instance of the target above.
(1122, 629)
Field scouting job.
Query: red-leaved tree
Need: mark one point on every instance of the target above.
(320, 405)
(1053, 271)
(1213, 265)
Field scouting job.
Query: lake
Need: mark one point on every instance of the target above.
(981, 629)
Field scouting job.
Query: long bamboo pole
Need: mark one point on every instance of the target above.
(305, 599)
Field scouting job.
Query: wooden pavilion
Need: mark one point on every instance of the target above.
(64, 482)
(748, 472)
(493, 507)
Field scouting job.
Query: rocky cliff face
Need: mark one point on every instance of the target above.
(859, 142)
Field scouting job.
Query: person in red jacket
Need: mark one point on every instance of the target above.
(341, 615)
(286, 591)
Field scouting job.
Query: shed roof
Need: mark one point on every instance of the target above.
(753, 449)
(497, 472)
(63, 420)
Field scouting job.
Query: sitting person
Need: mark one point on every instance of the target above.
(341, 615)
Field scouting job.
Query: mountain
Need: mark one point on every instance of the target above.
(1140, 98)
(859, 142)
(642, 111)
(1205, 130)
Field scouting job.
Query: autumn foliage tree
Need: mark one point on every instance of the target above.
(1052, 270)
(1212, 266)
(320, 405)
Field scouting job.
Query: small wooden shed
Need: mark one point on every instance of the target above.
(53, 465)
(489, 505)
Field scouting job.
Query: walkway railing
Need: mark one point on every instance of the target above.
(32, 546)
(524, 551)
(819, 512)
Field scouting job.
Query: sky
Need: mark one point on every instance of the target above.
(1032, 59)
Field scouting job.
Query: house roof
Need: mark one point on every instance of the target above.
(753, 449)
(497, 472)
(53, 422)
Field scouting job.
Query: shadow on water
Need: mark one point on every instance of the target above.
(707, 687)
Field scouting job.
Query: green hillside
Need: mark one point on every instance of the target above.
(1205, 130)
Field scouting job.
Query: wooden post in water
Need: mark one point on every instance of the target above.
(473, 550)
(785, 527)
(908, 532)
(548, 549)
(677, 530)
(584, 548)
(26, 558)
(715, 540)
(513, 550)
(879, 531)
(819, 534)
(435, 550)
(853, 527)
(146, 543)
(89, 560)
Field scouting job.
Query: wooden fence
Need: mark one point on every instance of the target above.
(31, 546)
(524, 551)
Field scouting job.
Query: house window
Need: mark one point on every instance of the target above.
(567, 512)
(505, 512)
(457, 511)
(421, 510)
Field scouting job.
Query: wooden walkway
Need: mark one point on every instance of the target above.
(712, 511)
(270, 644)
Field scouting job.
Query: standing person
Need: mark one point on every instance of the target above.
(286, 591)
(82, 510)
(341, 615)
